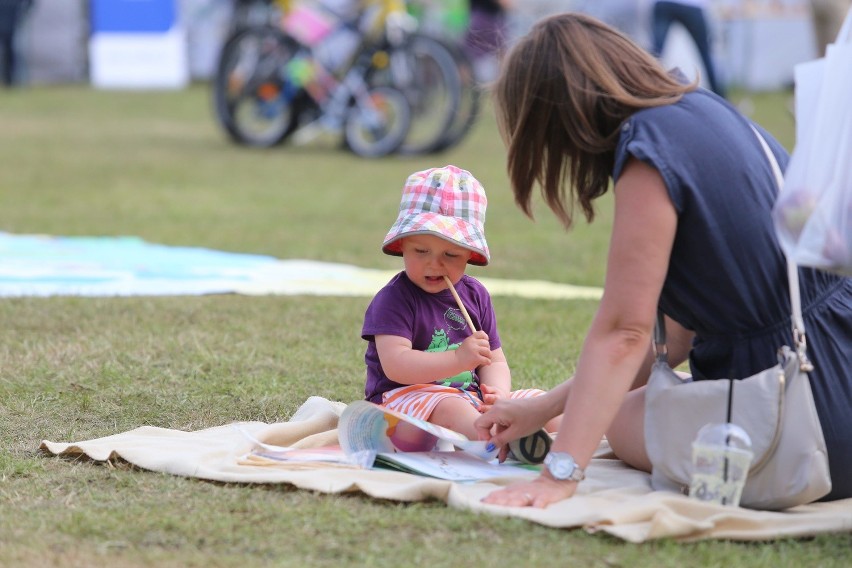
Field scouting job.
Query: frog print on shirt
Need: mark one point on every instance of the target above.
(440, 342)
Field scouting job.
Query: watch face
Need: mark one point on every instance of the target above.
(562, 466)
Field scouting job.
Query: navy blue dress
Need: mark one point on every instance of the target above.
(727, 278)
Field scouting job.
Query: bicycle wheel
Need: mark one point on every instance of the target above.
(254, 101)
(424, 69)
(378, 126)
(470, 98)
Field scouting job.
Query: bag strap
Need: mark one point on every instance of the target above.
(792, 272)
(792, 278)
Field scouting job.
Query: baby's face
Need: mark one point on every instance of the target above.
(428, 259)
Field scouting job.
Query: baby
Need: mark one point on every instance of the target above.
(429, 355)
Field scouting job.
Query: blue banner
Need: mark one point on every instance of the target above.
(132, 16)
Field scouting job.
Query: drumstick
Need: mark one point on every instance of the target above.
(459, 302)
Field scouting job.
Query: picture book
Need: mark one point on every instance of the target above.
(365, 426)
(372, 436)
(399, 441)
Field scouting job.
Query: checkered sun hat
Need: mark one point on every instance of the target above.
(446, 202)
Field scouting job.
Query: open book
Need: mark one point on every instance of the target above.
(373, 436)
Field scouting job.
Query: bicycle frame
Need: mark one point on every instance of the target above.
(352, 86)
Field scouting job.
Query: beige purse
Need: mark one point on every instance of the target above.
(775, 407)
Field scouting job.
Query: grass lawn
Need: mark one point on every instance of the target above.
(74, 161)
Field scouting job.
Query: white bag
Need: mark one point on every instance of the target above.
(775, 407)
(813, 216)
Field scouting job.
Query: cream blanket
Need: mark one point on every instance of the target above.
(614, 498)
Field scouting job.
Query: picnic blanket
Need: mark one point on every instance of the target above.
(614, 498)
(41, 265)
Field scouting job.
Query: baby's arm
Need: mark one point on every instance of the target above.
(409, 366)
(495, 379)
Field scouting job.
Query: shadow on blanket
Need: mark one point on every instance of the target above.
(614, 499)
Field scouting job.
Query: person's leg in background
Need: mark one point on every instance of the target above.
(694, 19)
(8, 60)
(827, 16)
(662, 15)
(11, 13)
(8, 14)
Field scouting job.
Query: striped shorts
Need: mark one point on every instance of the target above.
(420, 401)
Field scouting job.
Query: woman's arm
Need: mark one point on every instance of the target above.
(678, 344)
(518, 418)
(617, 344)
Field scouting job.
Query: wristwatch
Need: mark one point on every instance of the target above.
(562, 467)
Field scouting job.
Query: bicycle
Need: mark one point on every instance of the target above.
(439, 83)
(268, 84)
(442, 20)
(434, 76)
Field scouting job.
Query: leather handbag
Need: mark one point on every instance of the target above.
(775, 407)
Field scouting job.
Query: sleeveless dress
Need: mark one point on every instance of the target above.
(727, 278)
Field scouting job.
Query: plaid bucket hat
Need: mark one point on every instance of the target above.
(446, 202)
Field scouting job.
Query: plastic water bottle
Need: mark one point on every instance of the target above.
(721, 456)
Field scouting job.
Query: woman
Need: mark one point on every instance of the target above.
(579, 104)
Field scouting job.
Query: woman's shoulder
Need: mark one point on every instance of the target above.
(693, 106)
(678, 130)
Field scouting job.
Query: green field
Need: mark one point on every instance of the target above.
(74, 161)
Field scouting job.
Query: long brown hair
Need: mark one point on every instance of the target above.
(564, 91)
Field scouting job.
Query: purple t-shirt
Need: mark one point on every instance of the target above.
(432, 322)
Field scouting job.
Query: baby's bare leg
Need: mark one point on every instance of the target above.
(456, 414)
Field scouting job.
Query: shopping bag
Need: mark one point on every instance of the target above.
(813, 215)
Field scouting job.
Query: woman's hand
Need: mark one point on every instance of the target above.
(539, 493)
(509, 420)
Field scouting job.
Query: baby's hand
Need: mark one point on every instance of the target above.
(490, 395)
(474, 351)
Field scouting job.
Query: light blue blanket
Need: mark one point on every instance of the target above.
(40, 265)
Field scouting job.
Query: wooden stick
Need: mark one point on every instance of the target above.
(459, 302)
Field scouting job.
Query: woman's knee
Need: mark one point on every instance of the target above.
(626, 435)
